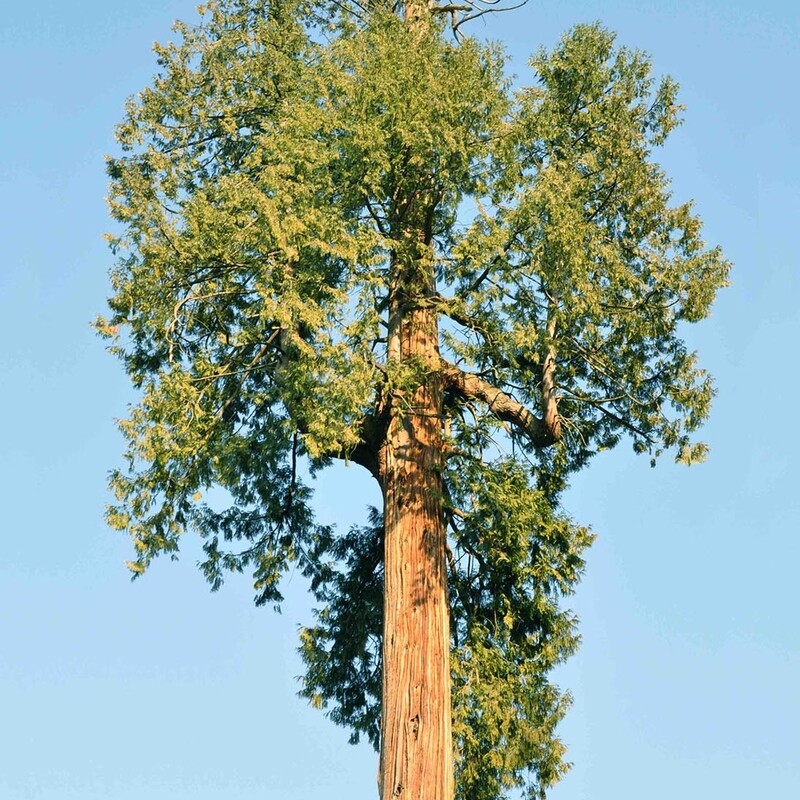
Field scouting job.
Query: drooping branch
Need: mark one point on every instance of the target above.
(540, 432)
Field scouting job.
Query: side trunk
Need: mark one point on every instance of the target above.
(416, 743)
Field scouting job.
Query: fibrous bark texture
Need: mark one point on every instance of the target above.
(416, 747)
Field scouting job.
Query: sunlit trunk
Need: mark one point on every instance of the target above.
(416, 745)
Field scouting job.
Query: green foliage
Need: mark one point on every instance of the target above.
(284, 155)
(584, 243)
(514, 559)
(342, 651)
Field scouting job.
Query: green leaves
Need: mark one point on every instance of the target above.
(285, 164)
(514, 559)
(581, 240)
(342, 650)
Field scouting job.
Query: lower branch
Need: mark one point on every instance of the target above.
(540, 432)
(365, 453)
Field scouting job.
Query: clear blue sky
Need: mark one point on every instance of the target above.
(686, 684)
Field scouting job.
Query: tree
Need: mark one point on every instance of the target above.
(344, 236)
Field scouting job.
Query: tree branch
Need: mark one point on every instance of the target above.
(552, 421)
(365, 453)
(540, 432)
(449, 306)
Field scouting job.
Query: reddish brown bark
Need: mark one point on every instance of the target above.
(416, 743)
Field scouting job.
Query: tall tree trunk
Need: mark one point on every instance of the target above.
(416, 742)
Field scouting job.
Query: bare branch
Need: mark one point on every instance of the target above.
(446, 9)
(492, 6)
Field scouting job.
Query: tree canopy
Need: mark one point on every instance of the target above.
(299, 177)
